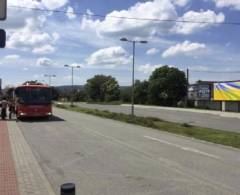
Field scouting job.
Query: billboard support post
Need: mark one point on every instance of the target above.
(223, 106)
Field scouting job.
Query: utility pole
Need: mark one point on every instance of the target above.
(72, 69)
(133, 68)
(133, 78)
(186, 99)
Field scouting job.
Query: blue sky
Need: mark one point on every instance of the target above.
(41, 43)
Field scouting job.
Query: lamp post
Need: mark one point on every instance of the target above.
(72, 68)
(50, 76)
(133, 67)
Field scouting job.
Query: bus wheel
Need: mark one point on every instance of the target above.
(18, 117)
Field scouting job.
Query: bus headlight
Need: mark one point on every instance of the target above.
(49, 113)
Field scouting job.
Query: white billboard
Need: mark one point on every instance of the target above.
(3, 9)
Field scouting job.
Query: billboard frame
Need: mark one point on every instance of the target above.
(224, 99)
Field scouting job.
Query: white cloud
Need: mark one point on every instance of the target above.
(55, 36)
(152, 51)
(54, 4)
(45, 49)
(37, 76)
(30, 3)
(12, 57)
(45, 62)
(148, 68)
(202, 16)
(70, 13)
(49, 4)
(25, 68)
(199, 68)
(69, 78)
(109, 57)
(180, 2)
(77, 64)
(183, 48)
(31, 37)
(17, 16)
(161, 9)
(235, 4)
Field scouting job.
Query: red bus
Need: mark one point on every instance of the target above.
(33, 100)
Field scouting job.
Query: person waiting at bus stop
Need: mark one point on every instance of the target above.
(4, 105)
(11, 109)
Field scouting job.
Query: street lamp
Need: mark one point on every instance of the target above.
(72, 67)
(133, 66)
(50, 76)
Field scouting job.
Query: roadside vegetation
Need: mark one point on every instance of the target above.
(166, 86)
(185, 129)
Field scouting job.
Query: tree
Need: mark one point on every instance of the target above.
(141, 92)
(102, 88)
(167, 86)
(8, 92)
(55, 93)
(126, 94)
(79, 95)
(111, 90)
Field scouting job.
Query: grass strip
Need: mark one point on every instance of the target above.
(207, 134)
(105, 103)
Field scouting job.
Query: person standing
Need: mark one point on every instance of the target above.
(4, 105)
(11, 109)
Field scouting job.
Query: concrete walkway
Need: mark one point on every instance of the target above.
(20, 173)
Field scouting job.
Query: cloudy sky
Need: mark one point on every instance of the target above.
(41, 42)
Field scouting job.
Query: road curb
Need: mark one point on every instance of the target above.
(30, 177)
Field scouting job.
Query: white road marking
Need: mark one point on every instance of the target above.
(183, 147)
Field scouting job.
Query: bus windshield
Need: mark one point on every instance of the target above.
(33, 96)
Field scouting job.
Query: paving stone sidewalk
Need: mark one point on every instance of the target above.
(19, 167)
(8, 178)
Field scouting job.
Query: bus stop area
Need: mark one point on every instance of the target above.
(19, 171)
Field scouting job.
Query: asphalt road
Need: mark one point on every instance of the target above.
(176, 115)
(107, 157)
